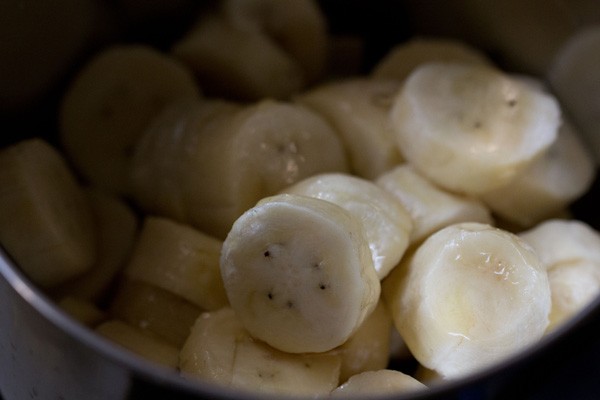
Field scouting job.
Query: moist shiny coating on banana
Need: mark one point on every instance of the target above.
(299, 273)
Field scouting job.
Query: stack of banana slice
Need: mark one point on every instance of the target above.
(223, 209)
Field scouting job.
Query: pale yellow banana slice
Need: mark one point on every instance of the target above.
(549, 185)
(179, 259)
(430, 207)
(386, 223)
(358, 108)
(402, 59)
(299, 273)
(46, 223)
(154, 310)
(109, 104)
(471, 295)
(377, 383)
(116, 230)
(572, 75)
(220, 350)
(470, 128)
(136, 340)
(223, 159)
(369, 348)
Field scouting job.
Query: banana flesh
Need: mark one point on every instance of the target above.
(378, 382)
(299, 273)
(469, 296)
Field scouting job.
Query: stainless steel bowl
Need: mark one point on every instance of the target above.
(45, 354)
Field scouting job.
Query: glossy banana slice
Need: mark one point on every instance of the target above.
(404, 58)
(469, 128)
(222, 158)
(386, 223)
(179, 259)
(358, 108)
(549, 185)
(220, 350)
(430, 207)
(46, 223)
(299, 273)
(116, 231)
(109, 104)
(471, 295)
(377, 383)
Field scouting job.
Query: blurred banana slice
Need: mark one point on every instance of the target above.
(299, 273)
(220, 350)
(358, 108)
(430, 207)
(179, 259)
(46, 223)
(386, 223)
(209, 162)
(404, 58)
(469, 128)
(379, 382)
(570, 250)
(470, 295)
(252, 49)
(109, 104)
(82, 310)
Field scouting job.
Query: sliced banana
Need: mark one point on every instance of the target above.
(402, 59)
(82, 310)
(430, 207)
(109, 104)
(220, 350)
(299, 273)
(117, 229)
(379, 382)
(369, 348)
(179, 259)
(153, 310)
(469, 128)
(549, 185)
(222, 159)
(470, 295)
(386, 223)
(358, 108)
(46, 223)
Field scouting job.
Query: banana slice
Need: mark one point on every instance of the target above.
(220, 350)
(549, 185)
(387, 225)
(117, 229)
(153, 310)
(572, 75)
(223, 159)
(470, 295)
(299, 273)
(133, 339)
(179, 259)
(109, 104)
(404, 58)
(430, 207)
(470, 128)
(374, 383)
(82, 310)
(358, 108)
(46, 223)
(369, 348)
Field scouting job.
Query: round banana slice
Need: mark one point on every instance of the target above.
(358, 108)
(430, 207)
(46, 222)
(470, 128)
(401, 60)
(379, 382)
(109, 104)
(387, 225)
(299, 273)
(470, 295)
